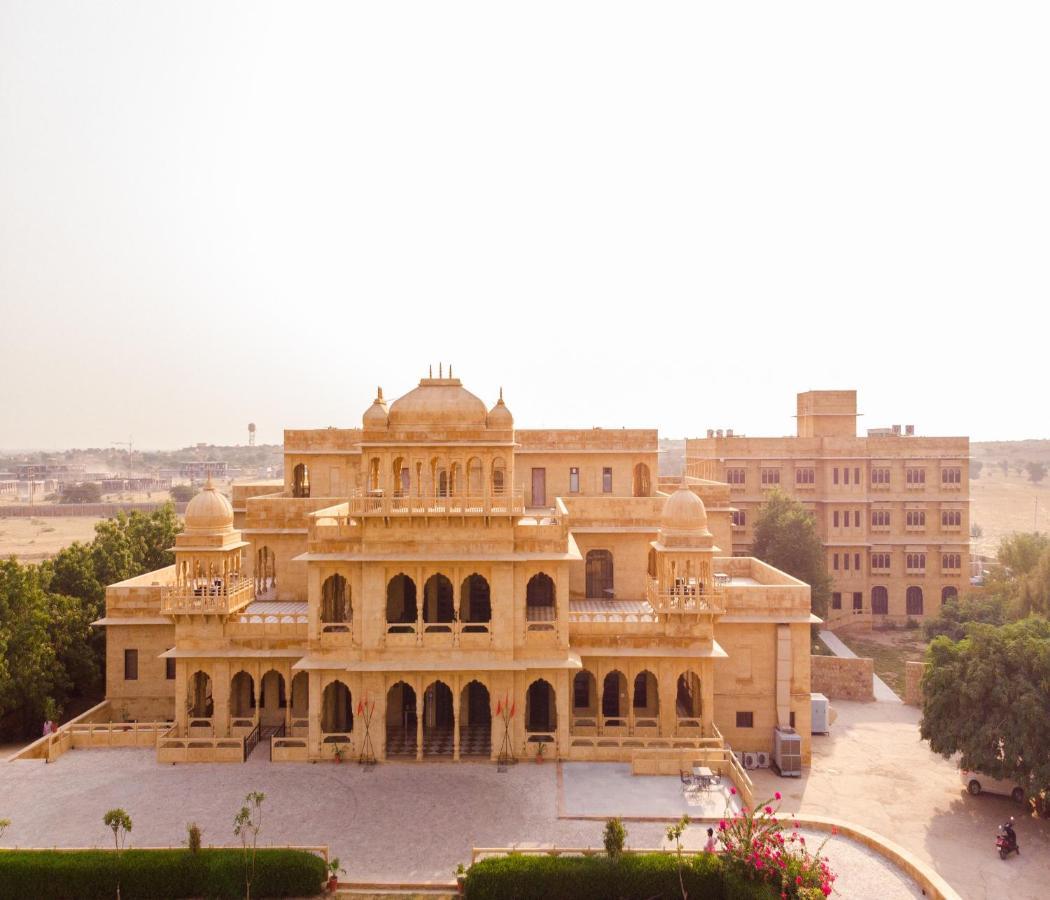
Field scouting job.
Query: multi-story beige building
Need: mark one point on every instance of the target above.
(437, 583)
(892, 508)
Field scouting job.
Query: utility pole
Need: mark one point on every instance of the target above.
(128, 443)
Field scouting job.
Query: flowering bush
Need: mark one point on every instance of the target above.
(758, 845)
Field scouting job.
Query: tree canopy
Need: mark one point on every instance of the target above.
(987, 697)
(49, 653)
(786, 537)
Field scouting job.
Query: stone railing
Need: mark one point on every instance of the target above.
(691, 599)
(189, 749)
(208, 599)
(510, 503)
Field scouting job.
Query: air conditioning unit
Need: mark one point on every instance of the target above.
(821, 723)
(787, 752)
(762, 759)
(739, 754)
(750, 760)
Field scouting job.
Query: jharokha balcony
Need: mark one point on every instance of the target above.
(203, 596)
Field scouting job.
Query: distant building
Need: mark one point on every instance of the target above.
(201, 470)
(892, 508)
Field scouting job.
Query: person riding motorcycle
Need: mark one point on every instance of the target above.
(1010, 836)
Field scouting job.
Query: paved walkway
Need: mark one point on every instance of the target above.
(882, 690)
(398, 821)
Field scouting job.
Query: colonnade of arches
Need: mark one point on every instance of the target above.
(436, 610)
(266, 701)
(622, 703)
(440, 477)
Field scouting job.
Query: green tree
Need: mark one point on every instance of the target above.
(987, 697)
(958, 613)
(1036, 472)
(85, 492)
(1019, 552)
(246, 825)
(786, 538)
(182, 493)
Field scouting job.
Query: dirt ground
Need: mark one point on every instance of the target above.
(889, 649)
(32, 540)
(1002, 505)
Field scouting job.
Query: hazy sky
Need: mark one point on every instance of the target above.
(644, 214)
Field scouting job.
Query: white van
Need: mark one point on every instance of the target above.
(976, 782)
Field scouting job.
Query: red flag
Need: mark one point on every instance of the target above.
(360, 707)
(499, 707)
(513, 706)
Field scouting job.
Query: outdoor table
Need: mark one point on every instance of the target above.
(704, 775)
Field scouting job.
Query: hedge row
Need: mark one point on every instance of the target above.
(90, 874)
(642, 877)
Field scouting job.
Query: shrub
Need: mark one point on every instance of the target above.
(614, 837)
(630, 877)
(193, 837)
(156, 874)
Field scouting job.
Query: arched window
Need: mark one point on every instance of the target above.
(583, 693)
(301, 695)
(539, 598)
(337, 713)
(913, 600)
(499, 476)
(438, 720)
(301, 481)
(600, 574)
(373, 474)
(475, 477)
(454, 480)
(641, 485)
(401, 609)
(401, 720)
(242, 696)
(949, 593)
(880, 601)
(402, 477)
(475, 720)
(335, 603)
(646, 697)
(438, 609)
(614, 698)
(687, 702)
(475, 602)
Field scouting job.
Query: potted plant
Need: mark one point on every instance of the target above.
(541, 749)
(461, 878)
(337, 753)
(334, 870)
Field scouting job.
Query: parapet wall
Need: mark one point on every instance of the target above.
(842, 679)
(913, 682)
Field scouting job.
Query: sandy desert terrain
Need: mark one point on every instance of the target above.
(1002, 505)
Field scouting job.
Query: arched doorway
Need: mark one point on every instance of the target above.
(242, 699)
(880, 601)
(645, 700)
(337, 712)
(539, 598)
(301, 481)
(541, 714)
(401, 609)
(913, 601)
(688, 707)
(584, 699)
(273, 700)
(438, 720)
(475, 721)
(201, 704)
(641, 486)
(475, 603)
(265, 573)
(438, 608)
(401, 720)
(300, 699)
(335, 604)
(599, 568)
(614, 700)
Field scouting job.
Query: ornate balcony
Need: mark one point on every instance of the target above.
(509, 503)
(202, 597)
(694, 598)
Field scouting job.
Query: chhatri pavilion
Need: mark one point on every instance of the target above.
(440, 584)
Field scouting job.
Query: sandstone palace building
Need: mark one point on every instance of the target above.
(892, 508)
(440, 584)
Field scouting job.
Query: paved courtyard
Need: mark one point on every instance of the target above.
(408, 822)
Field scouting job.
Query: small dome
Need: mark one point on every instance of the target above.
(684, 511)
(440, 403)
(209, 510)
(499, 415)
(376, 415)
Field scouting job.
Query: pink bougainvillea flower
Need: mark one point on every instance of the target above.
(776, 796)
(769, 810)
(732, 790)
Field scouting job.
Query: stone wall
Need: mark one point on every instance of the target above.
(842, 679)
(912, 682)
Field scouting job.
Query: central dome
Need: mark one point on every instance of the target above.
(439, 402)
(684, 511)
(209, 511)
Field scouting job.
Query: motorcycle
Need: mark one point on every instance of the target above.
(1006, 841)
